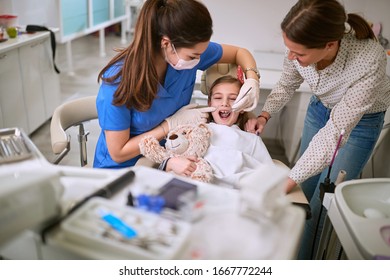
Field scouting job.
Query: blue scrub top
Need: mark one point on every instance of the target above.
(176, 93)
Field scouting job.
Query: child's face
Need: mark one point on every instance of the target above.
(222, 98)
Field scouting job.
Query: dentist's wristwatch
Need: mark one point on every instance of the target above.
(252, 69)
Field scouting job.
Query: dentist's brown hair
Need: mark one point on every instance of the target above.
(184, 22)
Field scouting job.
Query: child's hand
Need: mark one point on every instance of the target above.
(184, 166)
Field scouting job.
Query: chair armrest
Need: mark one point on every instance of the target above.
(70, 114)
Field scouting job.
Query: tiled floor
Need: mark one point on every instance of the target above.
(87, 63)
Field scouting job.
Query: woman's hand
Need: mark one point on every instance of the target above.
(184, 166)
(290, 185)
(255, 125)
(189, 114)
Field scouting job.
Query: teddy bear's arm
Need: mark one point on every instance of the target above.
(203, 172)
(151, 149)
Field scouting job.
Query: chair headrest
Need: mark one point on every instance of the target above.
(214, 72)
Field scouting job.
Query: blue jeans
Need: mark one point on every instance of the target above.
(352, 158)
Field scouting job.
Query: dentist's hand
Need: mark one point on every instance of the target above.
(189, 114)
(248, 97)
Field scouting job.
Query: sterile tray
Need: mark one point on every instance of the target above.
(157, 237)
(13, 146)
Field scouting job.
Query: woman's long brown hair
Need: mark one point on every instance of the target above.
(184, 22)
(314, 23)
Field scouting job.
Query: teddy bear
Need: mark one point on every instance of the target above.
(184, 140)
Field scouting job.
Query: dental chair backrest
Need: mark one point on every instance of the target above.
(214, 72)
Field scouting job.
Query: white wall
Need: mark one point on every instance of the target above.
(5, 6)
(28, 11)
(255, 24)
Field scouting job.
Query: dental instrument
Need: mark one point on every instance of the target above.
(106, 192)
(326, 187)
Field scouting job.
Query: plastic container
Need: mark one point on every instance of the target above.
(8, 20)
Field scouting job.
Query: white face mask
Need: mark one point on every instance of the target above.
(181, 63)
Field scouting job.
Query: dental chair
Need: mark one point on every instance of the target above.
(213, 73)
(75, 113)
(216, 71)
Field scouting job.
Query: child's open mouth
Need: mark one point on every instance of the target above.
(224, 114)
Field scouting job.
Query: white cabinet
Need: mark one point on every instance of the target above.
(12, 104)
(50, 79)
(29, 86)
(1, 118)
(32, 84)
(40, 80)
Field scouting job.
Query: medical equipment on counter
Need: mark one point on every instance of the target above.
(326, 187)
(28, 200)
(106, 192)
(154, 237)
(259, 214)
(265, 199)
(248, 226)
(217, 234)
(360, 215)
(12, 146)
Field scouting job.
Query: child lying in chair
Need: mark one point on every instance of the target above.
(232, 152)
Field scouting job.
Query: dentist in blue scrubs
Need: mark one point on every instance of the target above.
(147, 87)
